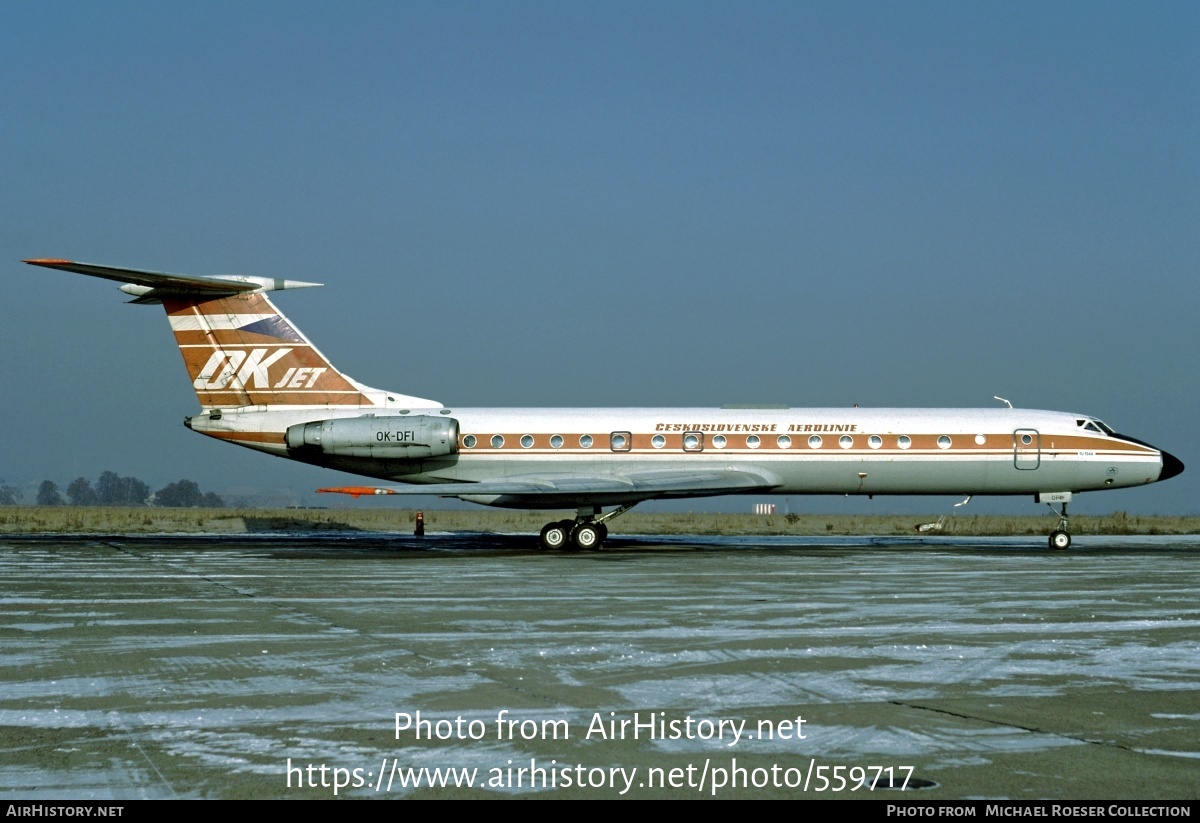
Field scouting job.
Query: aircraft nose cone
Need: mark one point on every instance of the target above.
(1172, 466)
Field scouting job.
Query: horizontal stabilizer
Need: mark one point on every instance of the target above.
(151, 286)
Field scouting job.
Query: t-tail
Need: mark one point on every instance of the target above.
(240, 351)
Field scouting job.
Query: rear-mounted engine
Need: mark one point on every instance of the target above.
(392, 437)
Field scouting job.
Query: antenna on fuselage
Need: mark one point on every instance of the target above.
(1001, 399)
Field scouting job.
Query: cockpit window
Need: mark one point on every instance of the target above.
(1094, 426)
(1105, 428)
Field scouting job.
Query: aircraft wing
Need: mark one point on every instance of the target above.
(576, 489)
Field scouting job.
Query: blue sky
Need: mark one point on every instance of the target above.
(569, 203)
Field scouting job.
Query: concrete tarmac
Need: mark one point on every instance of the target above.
(300, 666)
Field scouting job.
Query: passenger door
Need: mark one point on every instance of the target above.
(1027, 449)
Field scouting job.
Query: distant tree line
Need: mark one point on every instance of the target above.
(113, 490)
(186, 494)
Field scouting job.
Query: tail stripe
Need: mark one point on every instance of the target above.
(267, 325)
(197, 322)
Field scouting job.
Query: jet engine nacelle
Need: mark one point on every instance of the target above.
(392, 437)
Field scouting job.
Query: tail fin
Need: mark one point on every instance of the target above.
(240, 351)
(238, 348)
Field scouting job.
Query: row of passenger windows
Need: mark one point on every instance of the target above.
(620, 441)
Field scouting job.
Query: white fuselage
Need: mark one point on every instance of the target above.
(804, 451)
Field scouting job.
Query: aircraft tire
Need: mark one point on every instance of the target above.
(555, 536)
(1060, 540)
(587, 536)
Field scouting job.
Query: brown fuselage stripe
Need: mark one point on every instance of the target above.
(642, 443)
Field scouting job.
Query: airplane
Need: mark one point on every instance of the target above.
(263, 385)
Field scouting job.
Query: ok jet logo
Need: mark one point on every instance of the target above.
(250, 370)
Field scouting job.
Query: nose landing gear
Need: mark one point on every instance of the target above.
(1060, 539)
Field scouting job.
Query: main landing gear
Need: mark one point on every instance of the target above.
(586, 532)
(1060, 539)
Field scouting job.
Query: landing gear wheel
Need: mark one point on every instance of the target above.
(555, 535)
(1060, 540)
(586, 536)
